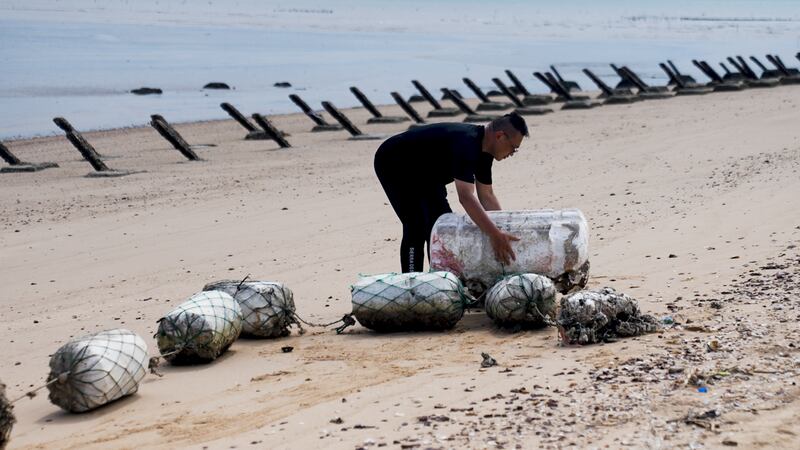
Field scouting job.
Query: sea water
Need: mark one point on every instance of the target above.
(80, 58)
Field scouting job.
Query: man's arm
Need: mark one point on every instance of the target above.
(487, 197)
(501, 242)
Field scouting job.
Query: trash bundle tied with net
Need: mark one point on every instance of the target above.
(522, 301)
(200, 329)
(267, 307)
(586, 317)
(553, 243)
(6, 417)
(409, 301)
(91, 371)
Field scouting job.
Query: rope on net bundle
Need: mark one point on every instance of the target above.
(386, 302)
(523, 300)
(410, 301)
(93, 370)
(199, 329)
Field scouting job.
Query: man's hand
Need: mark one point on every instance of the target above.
(501, 243)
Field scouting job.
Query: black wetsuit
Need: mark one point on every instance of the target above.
(414, 169)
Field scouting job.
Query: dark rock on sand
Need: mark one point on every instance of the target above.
(216, 85)
(146, 91)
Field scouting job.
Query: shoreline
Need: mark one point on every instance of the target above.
(22, 141)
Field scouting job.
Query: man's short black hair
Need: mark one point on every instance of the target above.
(511, 121)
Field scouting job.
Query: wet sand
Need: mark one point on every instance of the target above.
(688, 200)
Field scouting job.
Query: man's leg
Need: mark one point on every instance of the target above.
(412, 246)
(407, 205)
(409, 208)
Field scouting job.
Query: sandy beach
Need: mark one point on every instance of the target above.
(692, 206)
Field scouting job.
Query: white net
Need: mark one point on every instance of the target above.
(523, 301)
(267, 306)
(97, 369)
(408, 301)
(586, 317)
(200, 329)
(6, 417)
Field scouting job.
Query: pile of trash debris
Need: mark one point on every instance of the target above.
(587, 317)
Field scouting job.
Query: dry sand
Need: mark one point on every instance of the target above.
(692, 204)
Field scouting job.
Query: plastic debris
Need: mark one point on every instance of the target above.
(552, 243)
(7, 419)
(526, 300)
(267, 306)
(408, 301)
(93, 370)
(200, 329)
(588, 317)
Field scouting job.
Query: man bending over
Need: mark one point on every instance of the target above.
(415, 167)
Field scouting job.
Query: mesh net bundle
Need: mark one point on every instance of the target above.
(526, 300)
(587, 317)
(200, 329)
(409, 301)
(6, 417)
(97, 369)
(267, 306)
